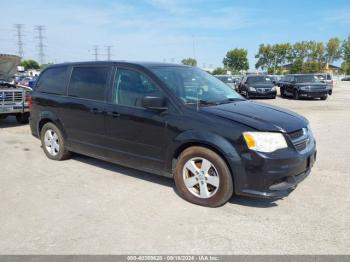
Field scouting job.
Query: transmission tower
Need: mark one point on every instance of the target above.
(19, 35)
(40, 36)
(96, 52)
(109, 55)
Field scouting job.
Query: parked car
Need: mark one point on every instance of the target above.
(304, 86)
(253, 86)
(172, 120)
(13, 99)
(328, 79)
(347, 78)
(227, 79)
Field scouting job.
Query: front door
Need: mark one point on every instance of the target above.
(135, 134)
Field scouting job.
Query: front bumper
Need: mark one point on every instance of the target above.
(275, 175)
(262, 94)
(313, 94)
(13, 109)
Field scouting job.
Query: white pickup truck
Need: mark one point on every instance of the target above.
(13, 98)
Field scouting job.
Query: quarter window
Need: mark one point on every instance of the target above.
(89, 82)
(53, 81)
(131, 86)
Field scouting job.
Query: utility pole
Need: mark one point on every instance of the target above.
(40, 36)
(109, 55)
(19, 35)
(96, 52)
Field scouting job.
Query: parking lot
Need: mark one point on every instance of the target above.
(87, 206)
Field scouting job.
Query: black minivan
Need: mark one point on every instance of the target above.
(172, 120)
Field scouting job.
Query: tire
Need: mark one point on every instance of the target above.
(324, 97)
(296, 94)
(282, 92)
(213, 195)
(57, 153)
(273, 97)
(22, 118)
(247, 95)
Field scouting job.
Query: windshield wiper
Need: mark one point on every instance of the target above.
(229, 100)
(203, 102)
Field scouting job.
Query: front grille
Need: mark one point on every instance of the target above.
(11, 96)
(300, 139)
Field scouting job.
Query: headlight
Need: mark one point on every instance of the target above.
(264, 141)
(273, 88)
(252, 89)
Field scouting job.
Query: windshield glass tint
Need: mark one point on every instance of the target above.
(307, 79)
(192, 84)
(259, 80)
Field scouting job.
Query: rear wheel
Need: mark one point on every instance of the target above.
(324, 97)
(53, 142)
(22, 118)
(202, 177)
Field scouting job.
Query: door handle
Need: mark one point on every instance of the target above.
(113, 114)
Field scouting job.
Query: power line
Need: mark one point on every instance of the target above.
(40, 36)
(19, 35)
(109, 54)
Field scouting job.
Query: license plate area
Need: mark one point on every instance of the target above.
(6, 109)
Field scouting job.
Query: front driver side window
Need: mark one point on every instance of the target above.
(131, 86)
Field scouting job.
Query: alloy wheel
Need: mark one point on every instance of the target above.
(51, 142)
(201, 177)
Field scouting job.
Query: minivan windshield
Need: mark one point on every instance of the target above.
(307, 79)
(193, 85)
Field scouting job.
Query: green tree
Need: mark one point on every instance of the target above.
(333, 50)
(236, 60)
(30, 64)
(297, 66)
(219, 71)
(272, 57)
(346, 55)
(189, 61)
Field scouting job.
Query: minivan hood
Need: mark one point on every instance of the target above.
(259, 116)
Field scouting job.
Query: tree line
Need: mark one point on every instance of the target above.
(302, 57)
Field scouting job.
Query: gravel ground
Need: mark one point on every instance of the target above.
(87, 206)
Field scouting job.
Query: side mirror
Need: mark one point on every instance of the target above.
(154, 102)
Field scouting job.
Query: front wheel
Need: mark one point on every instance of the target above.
(202, 177)
(53, 142)
(22, 118)
(296, 94)
(324, 97)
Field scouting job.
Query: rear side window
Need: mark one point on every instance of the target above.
(53, 81)
(89, 82)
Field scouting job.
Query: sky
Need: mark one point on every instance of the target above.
(165, 30)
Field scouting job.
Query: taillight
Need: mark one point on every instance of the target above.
(30, 102)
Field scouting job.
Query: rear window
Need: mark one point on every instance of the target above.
(89, 82)
(53, 81)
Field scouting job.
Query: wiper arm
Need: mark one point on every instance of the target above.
(229, 100)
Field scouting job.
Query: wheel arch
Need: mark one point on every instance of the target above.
(49, 117)
(214, 142)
